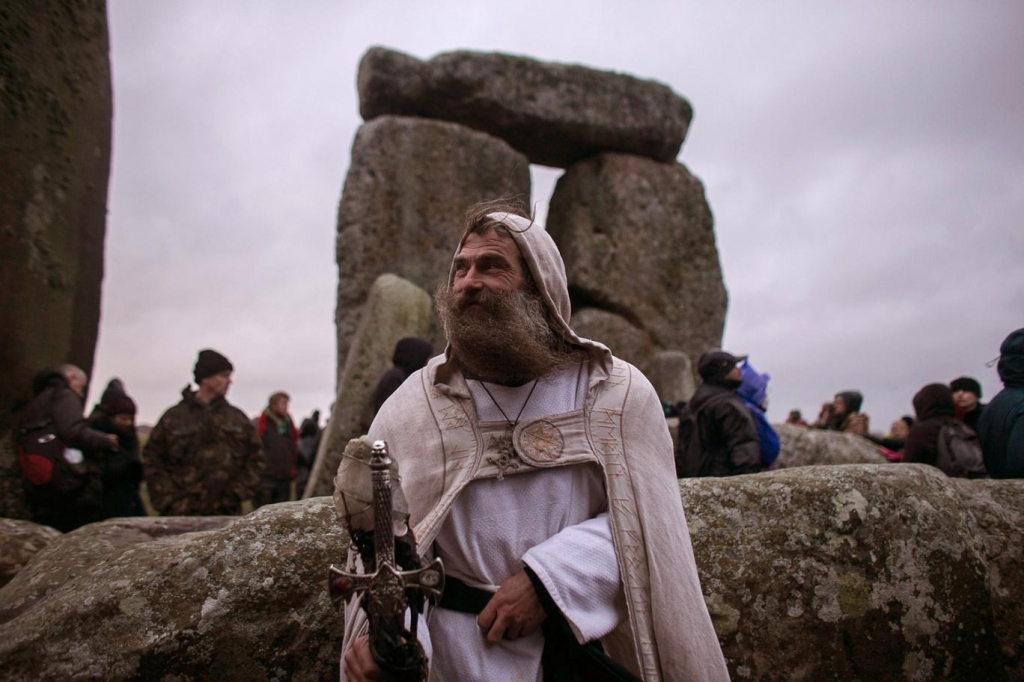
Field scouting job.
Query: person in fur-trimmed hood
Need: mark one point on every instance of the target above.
(540, 469)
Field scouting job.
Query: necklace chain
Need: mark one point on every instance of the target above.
(511, 423)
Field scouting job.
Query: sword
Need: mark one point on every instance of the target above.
(390, 586)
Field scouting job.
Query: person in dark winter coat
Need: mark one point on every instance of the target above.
(57, 399)
(967, 400)
(121, 470)
(728, 435)
(203, 457)
(411, 354)
(1001, 427)
(280, 446)
(935, 408)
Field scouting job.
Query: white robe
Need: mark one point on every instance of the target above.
(555, 521)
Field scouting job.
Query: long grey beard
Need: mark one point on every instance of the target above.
(503, 338)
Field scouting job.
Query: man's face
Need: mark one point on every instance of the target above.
(839, 406)
(280, 407)
(490, 261)
(217, 384)
(899, 429)
(734, 374)
(965, 400)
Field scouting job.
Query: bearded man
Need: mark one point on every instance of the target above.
(540, 469)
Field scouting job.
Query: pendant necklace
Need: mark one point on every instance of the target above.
(508, 460)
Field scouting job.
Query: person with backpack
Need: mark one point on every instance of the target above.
(753, 391)
(59, 453)
(940, 439)
(121, 470)
(717, 436)
(1001, 428)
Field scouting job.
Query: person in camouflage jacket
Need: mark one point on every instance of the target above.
(203, 457)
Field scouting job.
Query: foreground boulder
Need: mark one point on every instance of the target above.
(556, 114)
(846, 573)
(246, 601)
(20, 541)
(853, 573)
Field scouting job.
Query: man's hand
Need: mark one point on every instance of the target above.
(359, 663)
(514, 610)
(114, 443)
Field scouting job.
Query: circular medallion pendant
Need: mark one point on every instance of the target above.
(541, 441)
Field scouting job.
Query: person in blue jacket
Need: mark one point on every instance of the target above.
(753, 391)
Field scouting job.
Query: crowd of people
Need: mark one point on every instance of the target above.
(203, 457)
(951, 428)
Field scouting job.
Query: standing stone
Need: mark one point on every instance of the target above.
(672, 376)
(55, 123)
(556, 114)
(396, 308)
(625, 340)
(403, 207)
(638, 240)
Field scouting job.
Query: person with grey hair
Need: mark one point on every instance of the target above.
(539, 468)
(57, 404)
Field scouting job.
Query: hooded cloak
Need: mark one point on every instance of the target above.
(433, 430)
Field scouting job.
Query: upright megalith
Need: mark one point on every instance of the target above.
(556, 114)
(638, 240)
(55, 123)
(404, 203)
(395, 308)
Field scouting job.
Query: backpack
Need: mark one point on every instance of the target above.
(53, 473)
(690, 455)
(959, 451)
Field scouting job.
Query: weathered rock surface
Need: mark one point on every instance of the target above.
(859, 572)
(854, 573)
(395, 308)
(404, 203)
(55, 122)
(803, 447)
(245, 602)
(672, 376)
(625, 340)
(20, 541)
(556, 114)
(637, 239)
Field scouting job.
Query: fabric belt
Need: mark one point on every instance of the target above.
(458, 596)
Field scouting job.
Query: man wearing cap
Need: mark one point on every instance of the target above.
(967, 399)
(728, 436)
(203, 457)
(539, 468)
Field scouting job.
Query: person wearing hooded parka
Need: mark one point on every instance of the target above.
(1001, 427)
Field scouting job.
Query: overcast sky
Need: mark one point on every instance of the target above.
(864, 163)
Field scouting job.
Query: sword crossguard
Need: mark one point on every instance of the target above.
(429, 580)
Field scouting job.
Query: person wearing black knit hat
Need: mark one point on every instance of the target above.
(967, 400)
(204, 457)
(1001, 429)
(121, 470)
